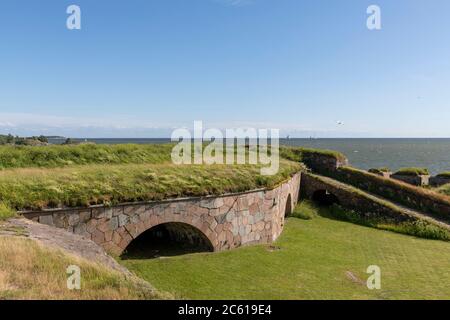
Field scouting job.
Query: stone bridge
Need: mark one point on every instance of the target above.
(216, 222)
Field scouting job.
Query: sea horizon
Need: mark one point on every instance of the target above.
(363, 153)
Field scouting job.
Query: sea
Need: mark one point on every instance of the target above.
(431, 153)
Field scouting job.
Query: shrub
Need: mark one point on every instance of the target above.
(419, 229)
(305, 210)
(6, 212)
(413, 172)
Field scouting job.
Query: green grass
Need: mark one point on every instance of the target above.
(6, 212)
(305, 210)
(320, 258)
(445, 189)
(379, 170)
(418, 228)
(35, 178)
(61, 156)
(40, 188)
(302, 154)
(29, 270)
(413, 172)
(444, 175)
(54, 156)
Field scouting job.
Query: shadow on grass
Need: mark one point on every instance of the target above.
(158, 250)
(159, 242)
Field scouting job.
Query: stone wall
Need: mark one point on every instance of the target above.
(426, 201)
(323, 163)
(227, 221)
(350, 198)
(439, 181)
(420, 181)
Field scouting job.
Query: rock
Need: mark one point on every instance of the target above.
(123, 220)
(47, 220)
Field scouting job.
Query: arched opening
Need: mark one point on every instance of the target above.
(324, 198)
(166, 240)
(288, 207)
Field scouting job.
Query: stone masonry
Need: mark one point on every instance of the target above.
(227, 221)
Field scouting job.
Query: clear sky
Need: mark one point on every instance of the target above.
(138, 68)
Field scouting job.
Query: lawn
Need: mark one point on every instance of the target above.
(320, 258)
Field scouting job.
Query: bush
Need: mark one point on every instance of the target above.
(6, 212)
(419, 229)
(305, 210)
(21, 141)
(413, 172)
(42, 139)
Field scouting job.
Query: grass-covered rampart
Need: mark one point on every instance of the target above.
(68, 155)
(34, 189)
(35, 178)
(414, 172)
(425, 200)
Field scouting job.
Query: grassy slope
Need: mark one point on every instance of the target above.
(55, 156)
(34, 188)
(80, 175)
(413, 171)
(60, 156)
(313, 262)
(30, 271)
(445, 189)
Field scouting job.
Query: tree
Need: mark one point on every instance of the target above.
(10, 138)
(43, 139)
(69, 141)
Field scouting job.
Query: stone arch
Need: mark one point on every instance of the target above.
(324, 197)
(227, 221)
(182, 238)
(288, 209)
(202, 230)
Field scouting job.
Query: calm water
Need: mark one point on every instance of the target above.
(433, 154)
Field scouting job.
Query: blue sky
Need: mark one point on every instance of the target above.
(139, 68)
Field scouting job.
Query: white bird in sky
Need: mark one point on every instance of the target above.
(340, 123)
